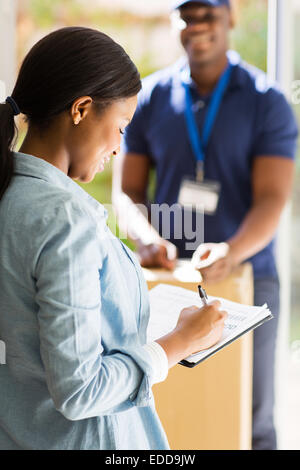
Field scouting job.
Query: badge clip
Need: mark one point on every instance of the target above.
(199, 172)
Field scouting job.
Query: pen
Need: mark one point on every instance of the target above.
(203, 295)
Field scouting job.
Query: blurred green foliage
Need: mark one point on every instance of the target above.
(250, 34)
(43, 12)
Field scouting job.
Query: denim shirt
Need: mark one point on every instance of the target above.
(73, 316)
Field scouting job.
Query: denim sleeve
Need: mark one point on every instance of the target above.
(82, 381)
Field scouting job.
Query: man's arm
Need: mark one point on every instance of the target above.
(130, 183)
(272, 178)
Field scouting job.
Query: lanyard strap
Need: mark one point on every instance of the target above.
(198, 144)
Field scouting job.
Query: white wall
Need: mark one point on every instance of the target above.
(280, 68)
(7, 47)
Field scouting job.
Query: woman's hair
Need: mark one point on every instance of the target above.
(64, 65)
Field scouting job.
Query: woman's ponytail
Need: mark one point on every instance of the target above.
(8, 130)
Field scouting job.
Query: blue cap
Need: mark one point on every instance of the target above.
(211, 3)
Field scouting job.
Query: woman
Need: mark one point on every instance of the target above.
(74, 306)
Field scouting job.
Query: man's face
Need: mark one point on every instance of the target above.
(204, 32)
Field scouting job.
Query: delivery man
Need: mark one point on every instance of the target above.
(216, 130)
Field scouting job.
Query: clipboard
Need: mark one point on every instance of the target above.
(189, 364)
(167, 301)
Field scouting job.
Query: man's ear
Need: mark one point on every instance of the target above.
(232, 21)
(232, 16)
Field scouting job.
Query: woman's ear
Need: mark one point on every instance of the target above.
(80, 108)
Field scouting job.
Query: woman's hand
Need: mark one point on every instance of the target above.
(201, 327)
(196, 329)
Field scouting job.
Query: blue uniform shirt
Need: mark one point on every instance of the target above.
(254, 120)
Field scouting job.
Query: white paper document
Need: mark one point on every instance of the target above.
(167, 301)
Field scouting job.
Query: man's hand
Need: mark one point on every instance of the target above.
(219, 270)
(215, 261)
(159, 254)
(272, 178)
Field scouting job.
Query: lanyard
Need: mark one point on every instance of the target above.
(199, 144)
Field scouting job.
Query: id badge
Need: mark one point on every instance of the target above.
(204, 194)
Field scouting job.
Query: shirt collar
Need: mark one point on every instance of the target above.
(236, 79)
(28, 165)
